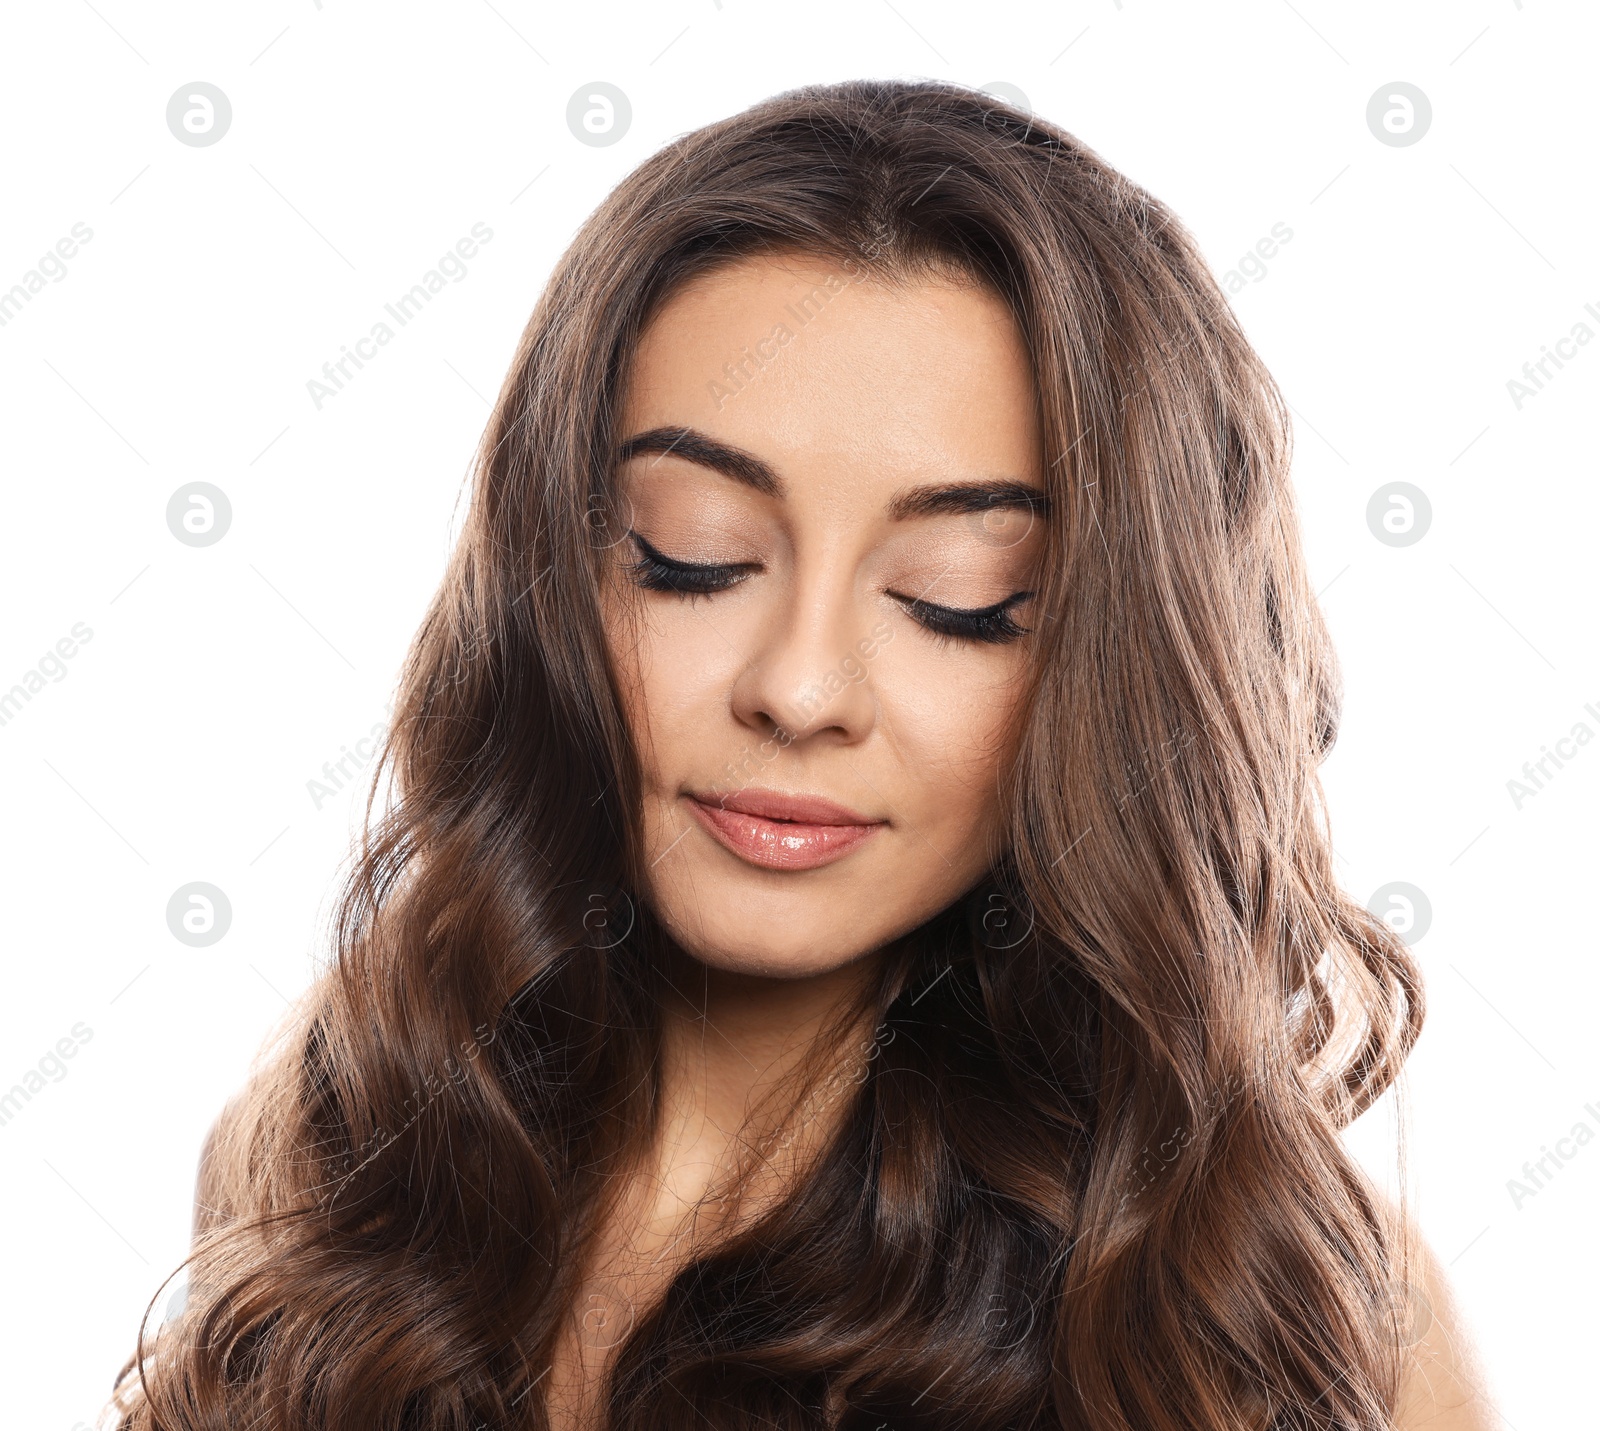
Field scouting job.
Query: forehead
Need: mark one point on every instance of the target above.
(829, 378)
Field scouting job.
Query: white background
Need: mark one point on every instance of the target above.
(365, 141)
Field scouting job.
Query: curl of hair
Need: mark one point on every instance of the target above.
(1094, 1177)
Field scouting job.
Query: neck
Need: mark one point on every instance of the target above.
(739, 1051)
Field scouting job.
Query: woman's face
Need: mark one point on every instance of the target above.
(832, 494)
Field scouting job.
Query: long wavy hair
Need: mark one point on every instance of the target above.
(1093, 1174)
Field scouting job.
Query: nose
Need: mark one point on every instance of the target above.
(809, 675)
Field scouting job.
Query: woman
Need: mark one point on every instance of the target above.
(853, 943)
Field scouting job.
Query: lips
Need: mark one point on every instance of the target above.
(779, 831)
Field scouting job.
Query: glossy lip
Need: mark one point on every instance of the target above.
(778, 831)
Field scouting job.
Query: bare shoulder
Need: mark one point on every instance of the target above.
(1444, 1386)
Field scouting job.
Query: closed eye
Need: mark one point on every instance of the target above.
(989, 624)
(656, 571)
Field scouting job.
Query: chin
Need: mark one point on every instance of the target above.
(787, 943)
(796, 931)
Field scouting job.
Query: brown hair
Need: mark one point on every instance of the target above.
(1093, 1176)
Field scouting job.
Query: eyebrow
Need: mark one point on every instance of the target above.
(695, 446)
(962, 498)
(934, 500)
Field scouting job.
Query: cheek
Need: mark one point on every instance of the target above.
(676, 666)
(951, 714)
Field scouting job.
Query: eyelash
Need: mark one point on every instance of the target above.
(656, 572)
(987, 625)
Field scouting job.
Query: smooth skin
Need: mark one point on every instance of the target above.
(819, 490)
